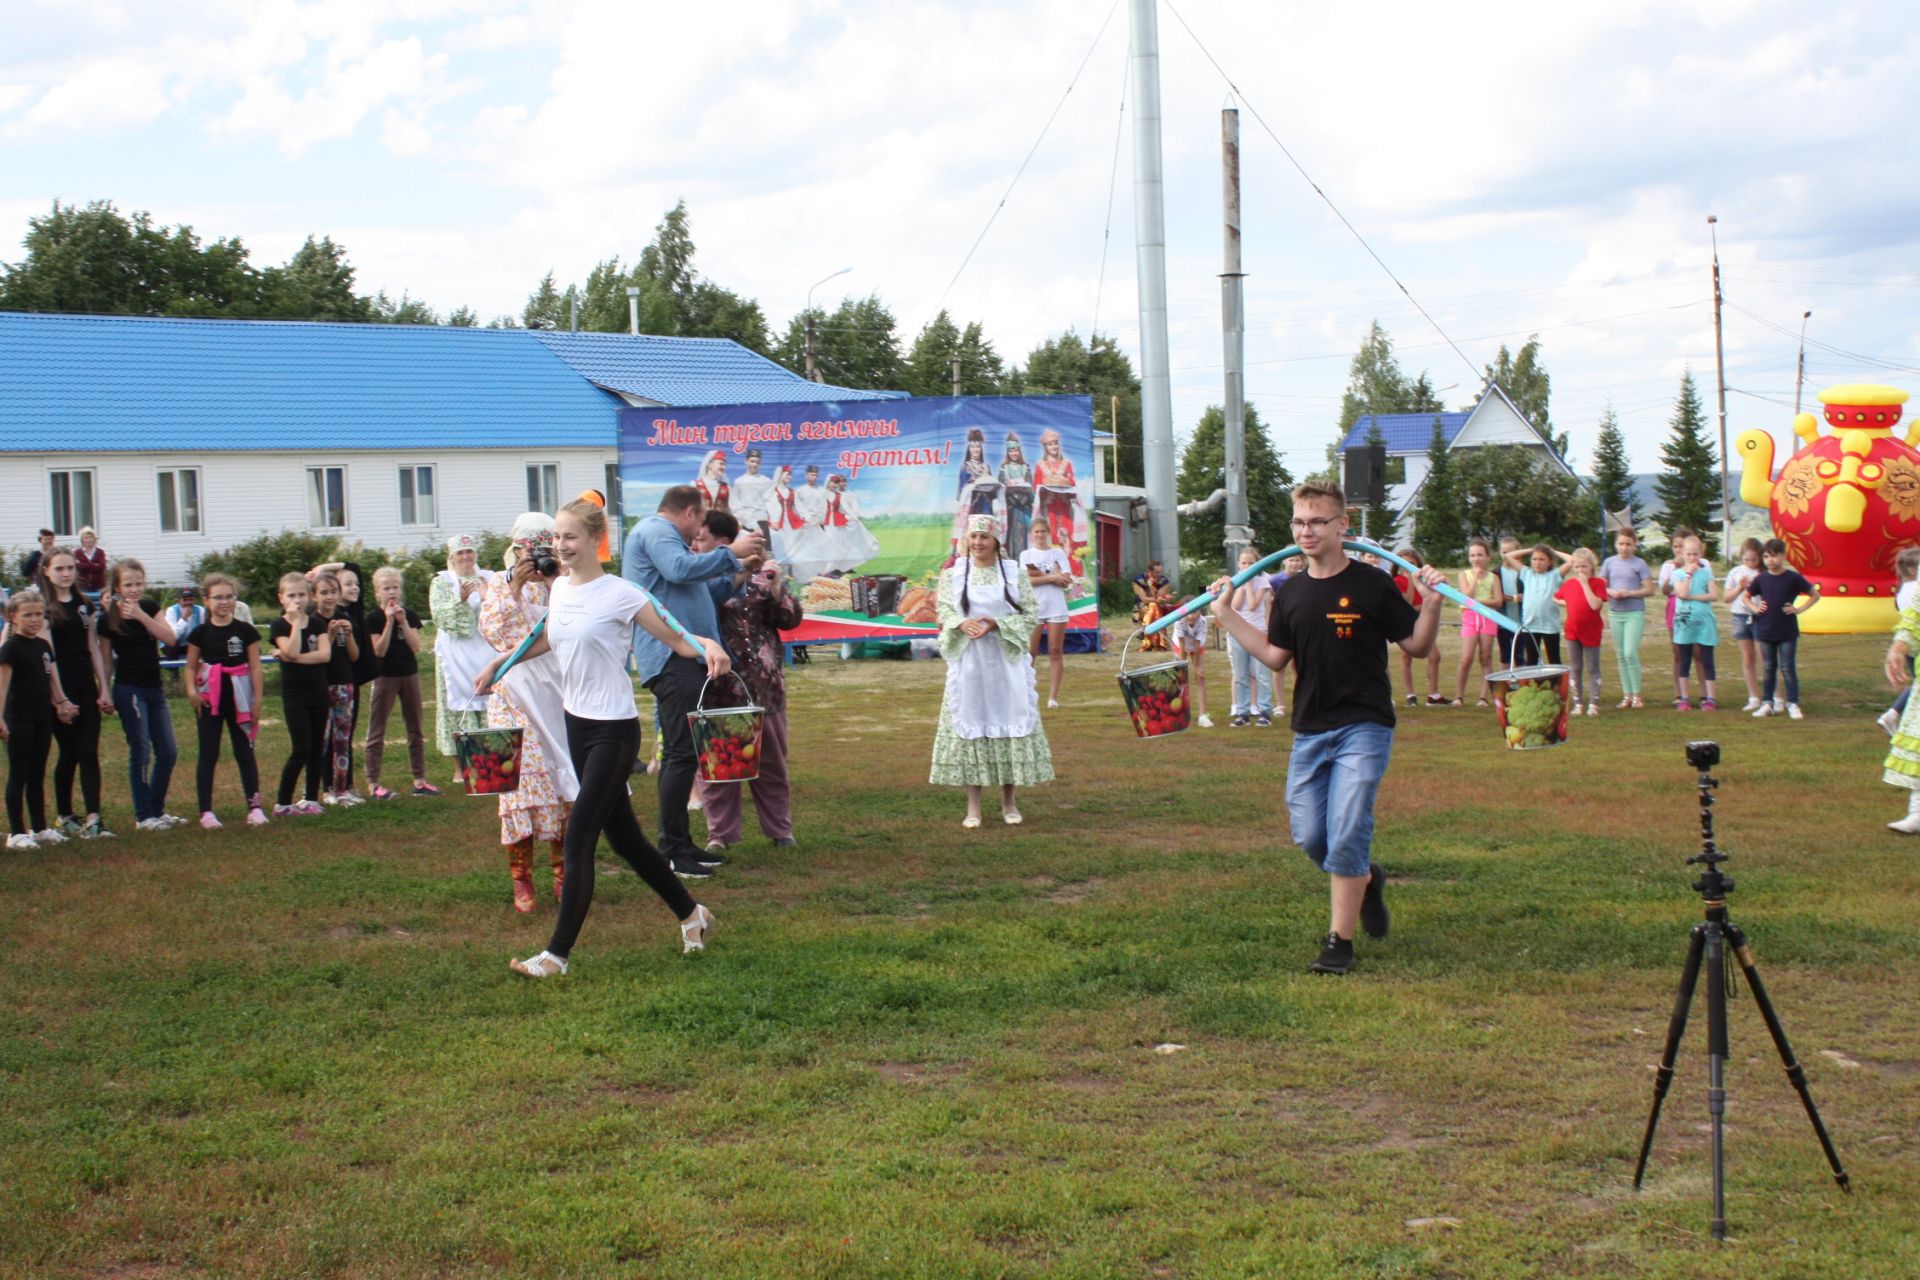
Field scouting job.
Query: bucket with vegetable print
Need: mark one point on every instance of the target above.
(1156, 696)
(1534, 705)
(490, 760)
(726, 740)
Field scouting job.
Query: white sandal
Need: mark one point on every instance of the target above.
(544, 965)
(971, 821)
(694, 930)
(1012, 817)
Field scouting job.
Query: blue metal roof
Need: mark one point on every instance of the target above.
(1405, 432)
(138, 383)
(689, 373)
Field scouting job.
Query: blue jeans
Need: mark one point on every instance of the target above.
(1331, 781)
(149, 728)
(1249, 671)
(1780, 656)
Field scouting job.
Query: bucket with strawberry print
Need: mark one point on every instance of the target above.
(1156, 695)
(490, 760)
(726, 740)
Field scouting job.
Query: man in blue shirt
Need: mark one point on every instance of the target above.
(656, 558)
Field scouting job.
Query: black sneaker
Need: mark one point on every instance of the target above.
(785, 842)
(1374, 916)
(1265, 722)
(690, 870)
(1239, 722)
(1336, 956)
(711, 856)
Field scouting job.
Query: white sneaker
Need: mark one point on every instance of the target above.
(350, 798)
(1779, 706)
(175, 820)
(1052, 705)
(1794, 712)
(1889, 720)
(1753, 704)
(1206, 722)
(50, 836)
(1766, 709)
(152, 824)
(22, 843)
(1593, 708)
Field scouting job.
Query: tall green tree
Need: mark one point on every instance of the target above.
(1203, 466)
(1439, 520)
(929, 370)
(316, 284)
(1689, 487)
(1096, 366)
(407, 309)
(547, 307)
(1612, 472)
(93, 259)
(1377, 384)
(1525, 380)
(855, 345)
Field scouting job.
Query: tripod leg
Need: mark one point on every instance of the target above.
(1796, 1075)
(1676, 1028)
(1717, 1070)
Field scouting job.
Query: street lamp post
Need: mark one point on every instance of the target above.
(1720, 370)
(1800, 371)
(813, 372)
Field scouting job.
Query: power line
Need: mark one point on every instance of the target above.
(1031, 151)
(1113, 178)
(1876, 361)
(1305, 176)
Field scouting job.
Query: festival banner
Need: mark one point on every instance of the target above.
(864, 502)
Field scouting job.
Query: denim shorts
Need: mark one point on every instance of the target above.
(1331, 781)
(1743, 626)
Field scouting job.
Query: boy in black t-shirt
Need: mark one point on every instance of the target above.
(1334, 623)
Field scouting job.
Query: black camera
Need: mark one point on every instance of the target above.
(1703, 755)
(545, 565)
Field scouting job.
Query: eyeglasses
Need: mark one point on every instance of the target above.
(1316, 524)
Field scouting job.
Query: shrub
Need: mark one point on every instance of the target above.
(1116, 596)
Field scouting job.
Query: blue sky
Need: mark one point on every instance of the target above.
(1522, 168)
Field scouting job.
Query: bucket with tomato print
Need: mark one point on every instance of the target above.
(1156, 695)
(490, 760)
(726, 740)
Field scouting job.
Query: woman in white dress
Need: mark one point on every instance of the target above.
(849, 544)
(989, 732)
(459, 650)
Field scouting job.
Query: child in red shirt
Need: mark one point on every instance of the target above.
(1583, 596)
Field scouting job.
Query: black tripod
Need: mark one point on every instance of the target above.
(1710, 938)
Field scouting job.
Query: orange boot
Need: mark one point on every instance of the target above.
(559, 851)
(520, 863)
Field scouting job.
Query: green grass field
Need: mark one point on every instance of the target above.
(914, 1050)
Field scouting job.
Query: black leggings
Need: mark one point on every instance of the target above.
(79, 749)
(307, 726)
(28, 743)
(209, 727)
(603, 752)
(1538, 646)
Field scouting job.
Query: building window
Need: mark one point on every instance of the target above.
(418, 504)
(1397, 470)
(543, 487)
(180, 500)
(613, 499)
(72, 502)
(327, 497)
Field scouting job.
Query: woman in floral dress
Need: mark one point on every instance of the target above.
(529, 698)
(989, 732)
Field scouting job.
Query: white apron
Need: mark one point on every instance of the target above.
(462, 658)
(993, 693)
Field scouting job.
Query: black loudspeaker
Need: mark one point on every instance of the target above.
(1365, 477)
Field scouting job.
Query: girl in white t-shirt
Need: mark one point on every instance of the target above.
(590, 622)
(1190, 642)
(1051, 573)
(1253, 681)
(1741, 615)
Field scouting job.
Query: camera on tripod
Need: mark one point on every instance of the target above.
(1703, 755)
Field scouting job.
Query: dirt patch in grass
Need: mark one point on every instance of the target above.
(919, 1072)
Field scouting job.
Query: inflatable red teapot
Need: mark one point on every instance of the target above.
(1845, 503)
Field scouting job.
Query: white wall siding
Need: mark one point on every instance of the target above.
(245, 494)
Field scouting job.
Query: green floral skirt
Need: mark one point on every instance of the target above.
(989, 762)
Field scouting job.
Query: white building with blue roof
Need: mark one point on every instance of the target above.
(1493, 420)
(175, 437)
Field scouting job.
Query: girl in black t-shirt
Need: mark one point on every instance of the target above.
(348, 642)
(224, 686)
(133, 631)
(305, 649)
(34, 702)
(73, 621)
